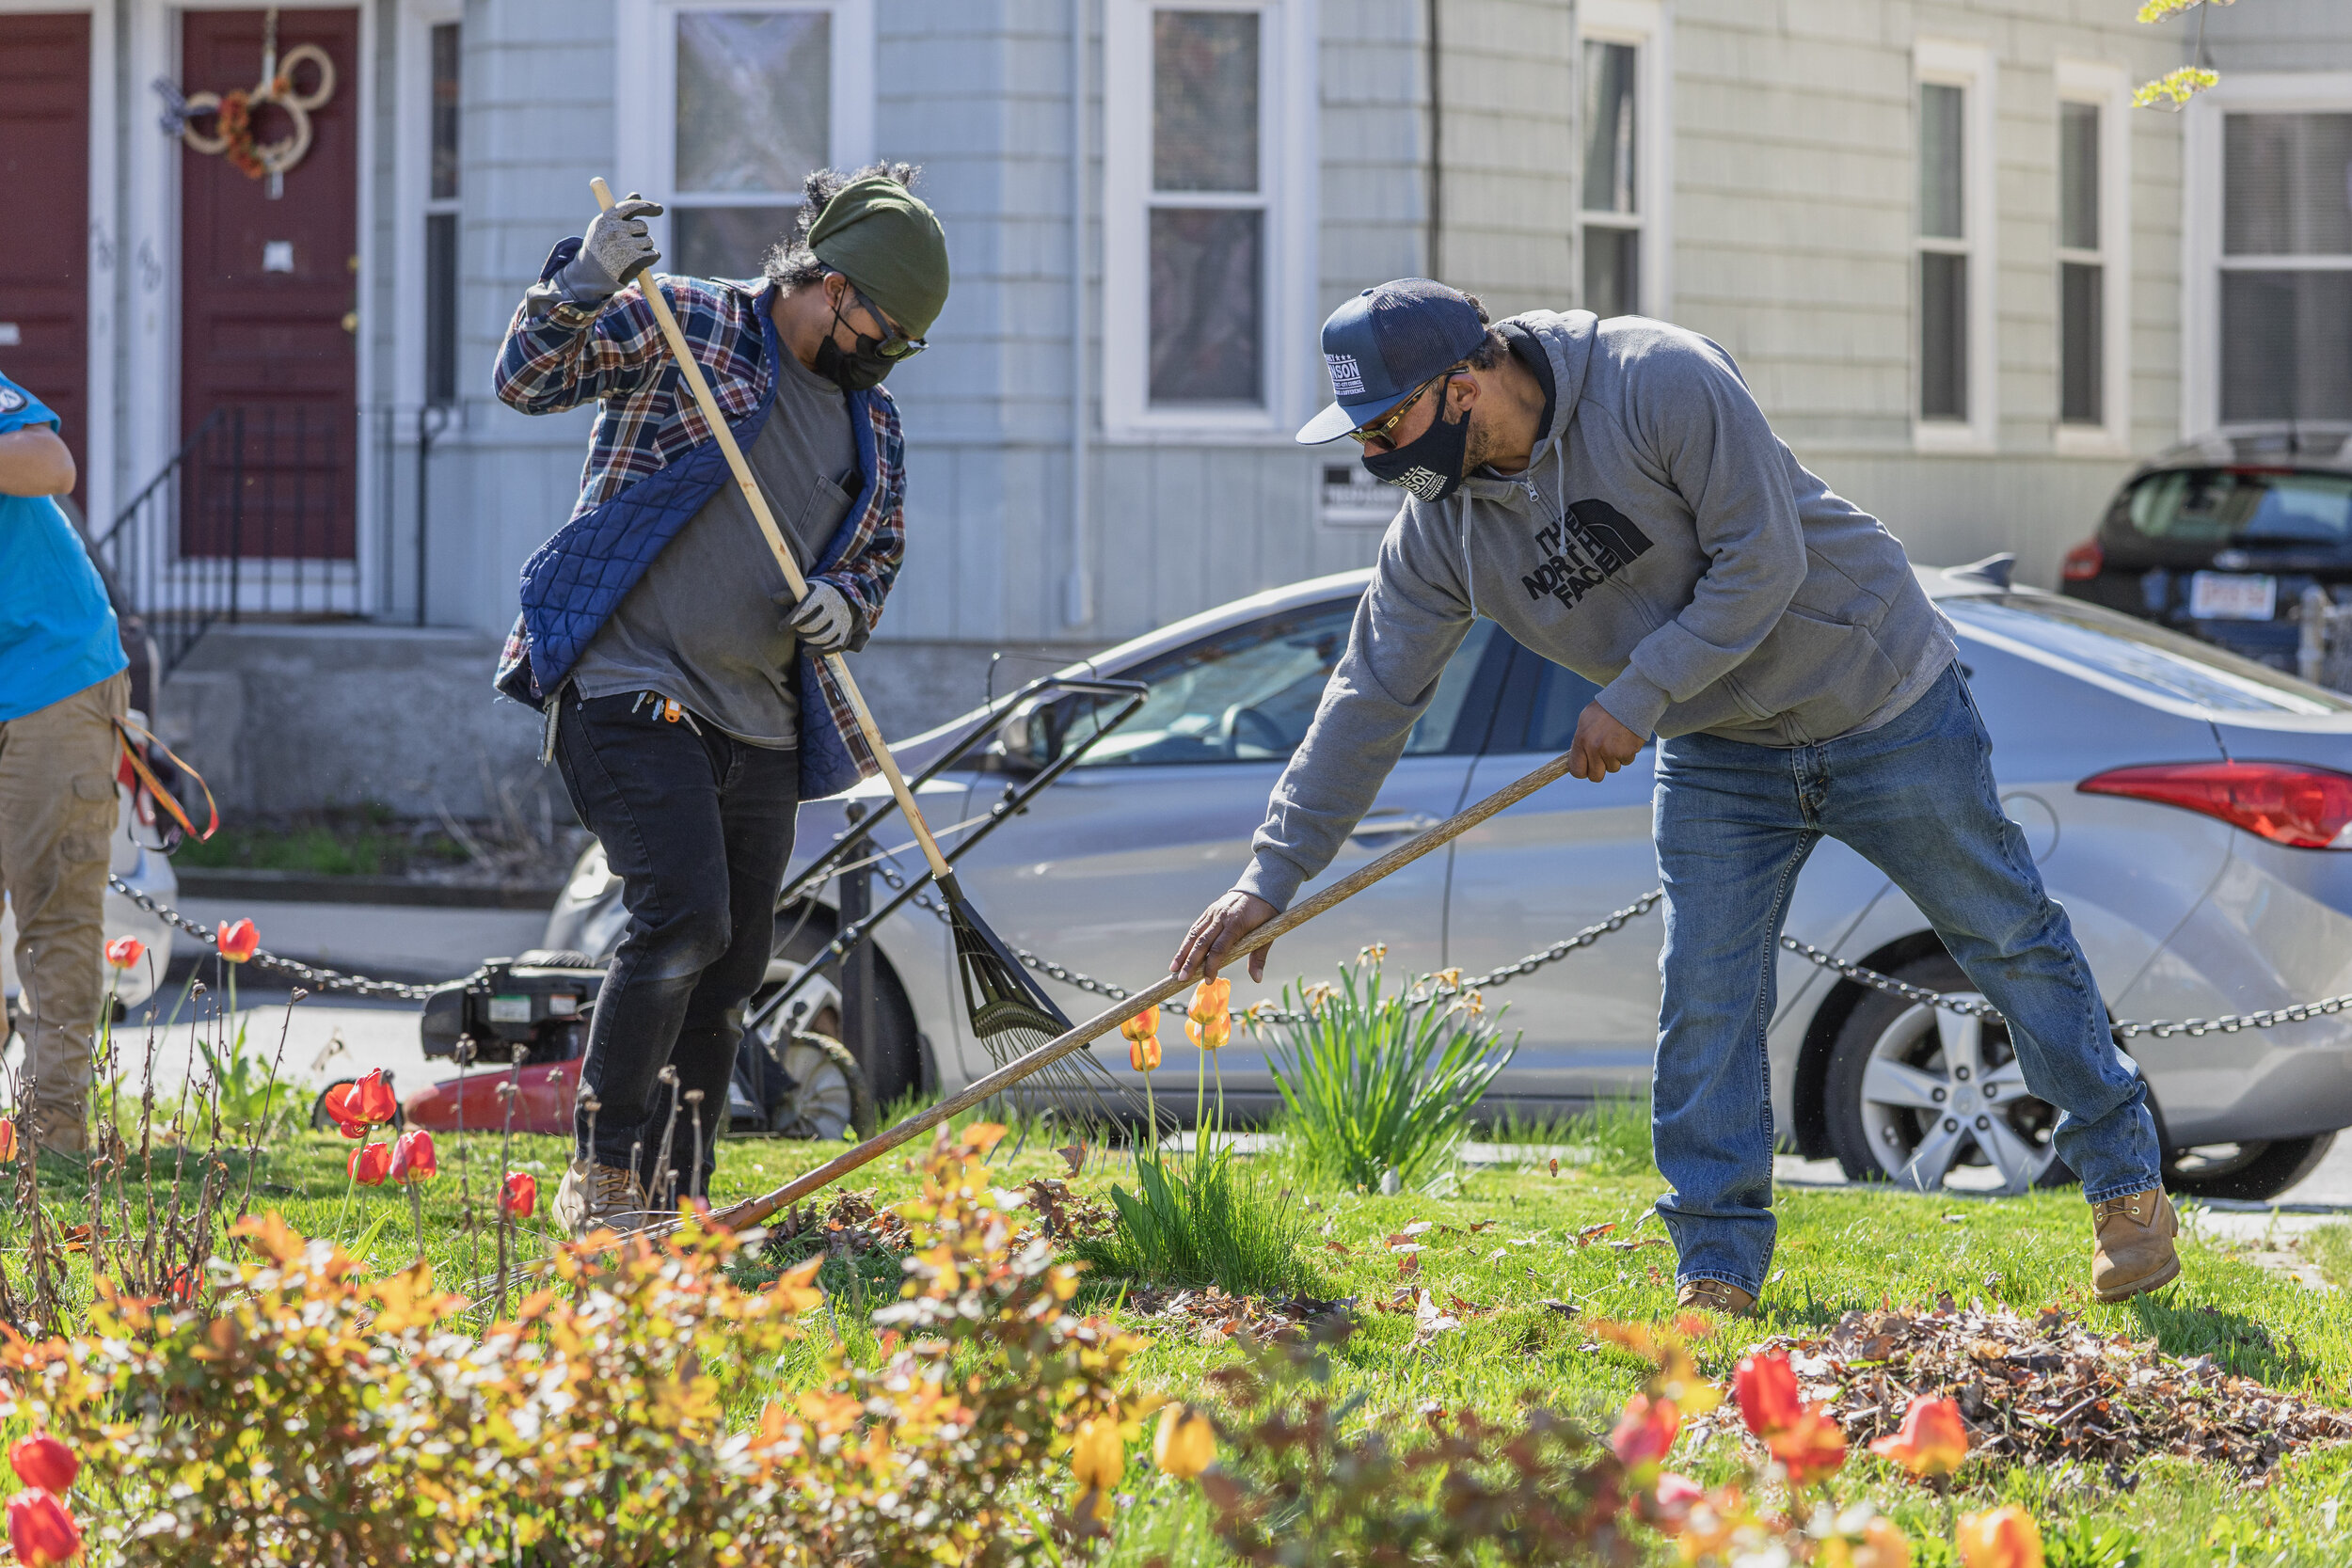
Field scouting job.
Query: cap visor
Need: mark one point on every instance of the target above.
(1340, 418)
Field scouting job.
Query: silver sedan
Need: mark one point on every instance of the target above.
(2190, 808)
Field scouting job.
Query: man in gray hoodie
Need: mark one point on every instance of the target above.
(1610, 496)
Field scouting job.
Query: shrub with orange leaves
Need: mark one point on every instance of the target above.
(626, 1413)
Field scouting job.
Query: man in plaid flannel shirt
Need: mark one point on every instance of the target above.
(684, 707)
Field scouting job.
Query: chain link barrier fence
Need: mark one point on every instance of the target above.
(318, 980)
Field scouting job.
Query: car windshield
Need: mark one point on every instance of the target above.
(2242, 506)
(2139, 653)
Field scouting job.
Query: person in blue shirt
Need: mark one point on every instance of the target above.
(63, 681)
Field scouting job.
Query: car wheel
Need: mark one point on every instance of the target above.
(817, 1010)
(2251, 1172)
(829, 1095)
(1916, 1092)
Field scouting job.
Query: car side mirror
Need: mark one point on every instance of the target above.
(1029, 738)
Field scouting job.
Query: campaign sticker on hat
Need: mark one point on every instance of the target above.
(1385, 342)
(1347, 381)
(10, 399)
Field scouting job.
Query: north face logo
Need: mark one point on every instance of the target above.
(1590, 544)
(1346, 380)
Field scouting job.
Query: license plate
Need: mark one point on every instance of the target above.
(2233, 597)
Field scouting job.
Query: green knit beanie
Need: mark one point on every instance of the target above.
(878, 235)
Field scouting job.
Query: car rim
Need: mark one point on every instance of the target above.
(1941, 1088)
(806, 1011)
(822, 1105)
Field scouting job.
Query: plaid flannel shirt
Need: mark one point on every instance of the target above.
(560, 355)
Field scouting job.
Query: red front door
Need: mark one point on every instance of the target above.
(269, 288)
(44, 158)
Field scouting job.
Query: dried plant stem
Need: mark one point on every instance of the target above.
(663, 1173)
(695, 1111)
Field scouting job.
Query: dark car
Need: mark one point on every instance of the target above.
(2220, 537)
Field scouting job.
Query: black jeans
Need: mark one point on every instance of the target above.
(698, 827)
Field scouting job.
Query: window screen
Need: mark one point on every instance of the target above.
(2286, 281)
(753, 115)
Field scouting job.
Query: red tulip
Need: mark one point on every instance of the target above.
(412, 1157)
(1932, 1441)
(1812, 1446)
(362, 1103)
(7, 1140)
(238, 942)
(1671, 1504)
(1766, 1387)
(42, 1461)
(125, 951)
(40, 1530)
(519, 1195)
(370, 1164)
(1646, 1431)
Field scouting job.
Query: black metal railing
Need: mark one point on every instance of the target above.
(253, 518)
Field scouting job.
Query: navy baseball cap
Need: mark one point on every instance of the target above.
(1384, 343)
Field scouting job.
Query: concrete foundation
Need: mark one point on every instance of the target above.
(293, 718)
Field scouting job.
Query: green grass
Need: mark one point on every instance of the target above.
(2330, 1246)
(1838, 1250)
(361, 841)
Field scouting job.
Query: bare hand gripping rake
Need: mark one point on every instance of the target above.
(1010, 1015)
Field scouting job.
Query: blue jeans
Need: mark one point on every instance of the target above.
(1734, 823)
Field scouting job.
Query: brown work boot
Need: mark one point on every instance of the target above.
(1715, 1295)
(2133, 1246)
(599, 1197)
(58, 1129)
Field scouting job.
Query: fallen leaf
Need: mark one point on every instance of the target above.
(1075, 1153)
(1592, 1233)
(1408, 1265)
(1477, 1225)
(1335, 1246)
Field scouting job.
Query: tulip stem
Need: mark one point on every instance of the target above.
(416, 1213)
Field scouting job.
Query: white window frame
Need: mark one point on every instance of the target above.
(2108, 88)
(1642, 24)
(2201, 259)
(1970, 67)
(104, 259)
(412, 165)
(1288, 102)
(645, 92)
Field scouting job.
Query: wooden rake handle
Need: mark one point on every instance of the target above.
(716, 417)
(750, 1211)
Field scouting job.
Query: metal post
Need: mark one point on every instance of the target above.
(857, 964)
(431, 421)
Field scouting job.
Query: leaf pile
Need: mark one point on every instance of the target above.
(1211, 1317)
(2047, 1389)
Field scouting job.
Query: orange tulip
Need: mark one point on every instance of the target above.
(1209, 1021)
(1646, 1431)
(1932, 1441)
(1884, 1545)
(1766, 1387)
(519, 1195)
(370, 1164)
(1143, 1040)
(125, 951)
(1812, 1446)
(1097, 1457)
(412, 1157)
(42, 1461)
(2005, 1538)
(1185, 1444)
(237, 942)
(7, 1140)
(42, 1530)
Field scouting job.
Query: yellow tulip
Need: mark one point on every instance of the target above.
(1097, 1457)
(1208, 1023)
(2005, 1538)
(1186, 1443)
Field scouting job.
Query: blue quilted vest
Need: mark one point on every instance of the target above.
(573, 583)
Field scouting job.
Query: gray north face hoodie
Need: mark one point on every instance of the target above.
(1661, 541)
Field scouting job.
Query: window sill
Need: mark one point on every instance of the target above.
(1945, 437)
(2085, 440)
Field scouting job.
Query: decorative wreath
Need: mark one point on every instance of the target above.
(232, 129)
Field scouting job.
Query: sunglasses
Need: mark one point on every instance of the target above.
(894, 344)
(1381, 431)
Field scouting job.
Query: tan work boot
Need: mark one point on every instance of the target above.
(599, 1197)
(1715, 1295)
(2132, 1250)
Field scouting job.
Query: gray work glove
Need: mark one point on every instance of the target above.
(617, 249)
(823, 620)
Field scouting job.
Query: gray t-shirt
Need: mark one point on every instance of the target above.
(700, 627)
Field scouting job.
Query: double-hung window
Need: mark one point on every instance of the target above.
(442, 50)
(2093, 271)
(2286, 265)
(733, 104)
(1623, 183)
(1953, 270)
(1208, 212)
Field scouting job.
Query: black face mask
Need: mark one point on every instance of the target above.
(859, 370)
(1429, 465)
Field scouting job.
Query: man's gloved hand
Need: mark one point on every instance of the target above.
(617, 249)
(823, 620)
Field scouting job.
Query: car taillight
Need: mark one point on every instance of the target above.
(2083, 561)
(2308, 808)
